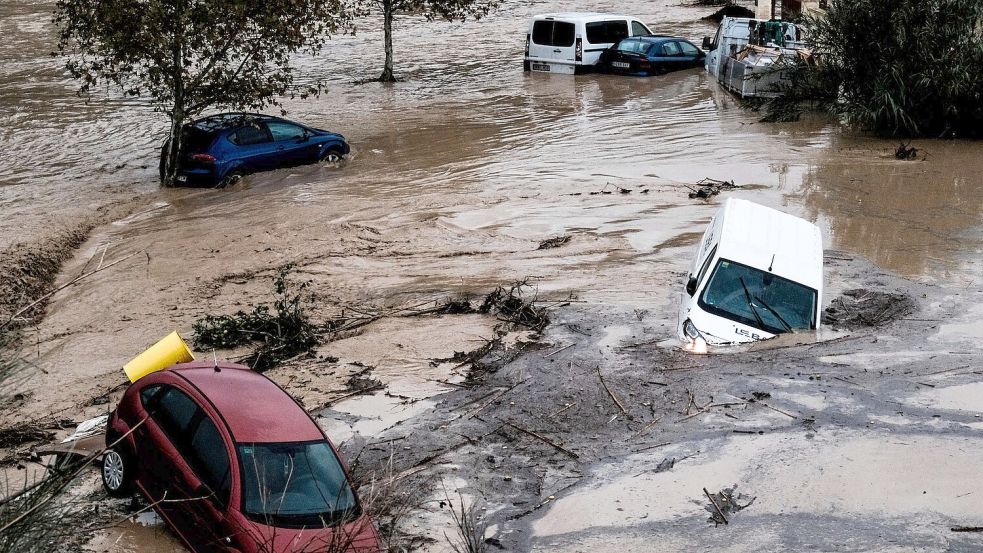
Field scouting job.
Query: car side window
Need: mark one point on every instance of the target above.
(174, 412)
(706, 266)
(688, 49)
(285, 131)
(148, 396)
(670, 49)
(210, 459)
(637, 29)
(249, 135)
(603, 32)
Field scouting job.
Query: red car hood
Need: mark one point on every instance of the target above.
(358, 536)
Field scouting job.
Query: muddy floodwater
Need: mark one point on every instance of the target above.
(457, 174)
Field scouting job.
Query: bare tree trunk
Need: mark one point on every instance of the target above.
(170, 161)
(387, 15)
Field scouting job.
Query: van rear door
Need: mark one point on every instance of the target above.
(551, 47)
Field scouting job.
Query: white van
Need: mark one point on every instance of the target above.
(571, 43)
(757, 272)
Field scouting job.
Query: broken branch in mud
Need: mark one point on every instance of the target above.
(553, 242)
(610, 393)
(715, 506)
(967, 529)
(544, 439)
(645, 429)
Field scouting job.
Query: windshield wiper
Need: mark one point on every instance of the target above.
(750, 302)
(788, 327)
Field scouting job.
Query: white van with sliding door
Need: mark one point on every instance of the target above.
(757, 273)
(571, 43)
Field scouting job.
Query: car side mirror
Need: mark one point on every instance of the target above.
(707, 45)
(691, 285)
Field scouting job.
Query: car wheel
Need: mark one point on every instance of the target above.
(230, 178)
(332, 155)
(116, 477)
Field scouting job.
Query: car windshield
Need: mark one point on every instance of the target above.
(295, 484)
(758, 298)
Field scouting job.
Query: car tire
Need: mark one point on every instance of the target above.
(230, 178)
(117, 477)
(332, 155)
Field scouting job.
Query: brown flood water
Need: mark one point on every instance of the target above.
(457, 174)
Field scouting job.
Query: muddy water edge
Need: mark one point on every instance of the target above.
(458, 173)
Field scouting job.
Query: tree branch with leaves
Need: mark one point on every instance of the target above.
(190, 56)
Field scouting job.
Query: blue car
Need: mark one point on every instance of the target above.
(218, 150)
(650, 55)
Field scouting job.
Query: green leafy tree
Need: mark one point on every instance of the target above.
(896, 67)
(449, 10)
(189, 56)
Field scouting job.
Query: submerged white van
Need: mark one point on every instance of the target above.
(571, 43)
(757, 272)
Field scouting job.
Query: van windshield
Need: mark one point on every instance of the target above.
(758, 298)
(295, 485)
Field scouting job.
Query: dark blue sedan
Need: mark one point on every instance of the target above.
(220, 149)
(650, 55)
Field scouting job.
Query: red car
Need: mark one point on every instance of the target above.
(233, 464)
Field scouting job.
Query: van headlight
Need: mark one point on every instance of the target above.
(689, 329)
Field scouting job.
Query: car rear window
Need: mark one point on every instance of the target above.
(633, 46)
(553, 33)
(606, 32)
(196, 140)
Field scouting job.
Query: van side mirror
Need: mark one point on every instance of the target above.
(707, 45)
(691, 285)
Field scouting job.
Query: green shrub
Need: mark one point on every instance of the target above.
(896, 67)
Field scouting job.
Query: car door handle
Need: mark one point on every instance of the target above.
(280, 148)
(557, 51)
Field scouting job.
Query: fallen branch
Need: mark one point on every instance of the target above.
(715, 506)
(72, 282)
(610, 393)
(544, 440)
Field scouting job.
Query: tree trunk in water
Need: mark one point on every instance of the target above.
(387, 14)
(172, 148)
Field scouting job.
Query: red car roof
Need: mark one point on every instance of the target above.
(254, 408)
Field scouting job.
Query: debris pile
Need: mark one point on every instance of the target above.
(279, 333)
(512, 306)
(726, 502)
(905, 152)
(729, 10)
(707, 188)
(860, 308)
(553, 242)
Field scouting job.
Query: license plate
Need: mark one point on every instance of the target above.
(182, 178)
(621, 64)
(540, 67)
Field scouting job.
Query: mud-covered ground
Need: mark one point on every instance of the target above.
(866, 439)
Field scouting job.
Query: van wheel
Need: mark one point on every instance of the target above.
(332, 155)
(231, 178)
(116, 473)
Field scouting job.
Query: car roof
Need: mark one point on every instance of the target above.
(752, 233)
(586, 16)
(655, 39)
(253, 407)
(228, 120)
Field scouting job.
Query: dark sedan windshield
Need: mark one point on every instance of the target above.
(295, 484)
(758, 298)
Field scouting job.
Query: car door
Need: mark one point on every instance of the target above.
(252, 147)
(670, 58)
(292, 144)
(553, 41)
(165, 453)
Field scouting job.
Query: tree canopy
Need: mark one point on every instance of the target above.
(187, 56)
